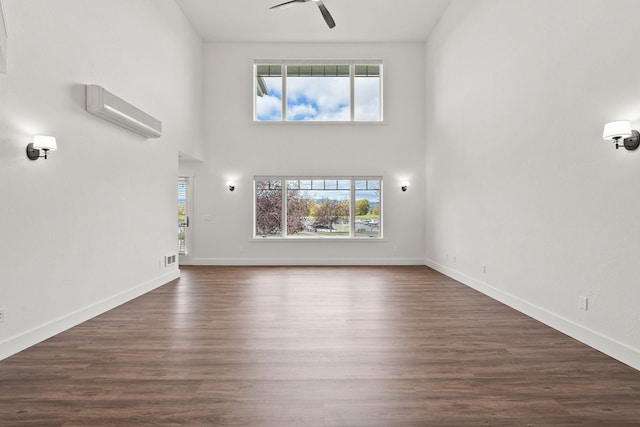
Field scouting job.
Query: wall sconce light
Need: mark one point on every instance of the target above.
(41, 142)
(405, 185)
(231, 185)
(614, 131)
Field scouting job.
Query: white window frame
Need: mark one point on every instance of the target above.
(351, 63)
(188, 193)
(352, 208)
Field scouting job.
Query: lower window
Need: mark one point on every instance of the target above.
(318, 207)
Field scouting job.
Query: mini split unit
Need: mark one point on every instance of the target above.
(107, 106)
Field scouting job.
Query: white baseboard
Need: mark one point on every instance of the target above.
(305, 261)
(619, 351)
(29, 338)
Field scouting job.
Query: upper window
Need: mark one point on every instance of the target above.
(334, 207)
(338, 92)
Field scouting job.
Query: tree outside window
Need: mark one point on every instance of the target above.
(317, 207)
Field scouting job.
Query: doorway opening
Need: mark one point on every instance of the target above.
(183, 215)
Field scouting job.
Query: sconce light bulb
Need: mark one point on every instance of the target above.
(41, 143)
(621, 134)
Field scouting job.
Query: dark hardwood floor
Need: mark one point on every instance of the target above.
(315, 346)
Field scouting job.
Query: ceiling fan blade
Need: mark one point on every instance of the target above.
(325, 14)
(287, 4)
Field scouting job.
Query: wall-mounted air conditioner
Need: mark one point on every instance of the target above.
(107, 106)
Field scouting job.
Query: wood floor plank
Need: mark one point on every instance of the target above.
(319, 347)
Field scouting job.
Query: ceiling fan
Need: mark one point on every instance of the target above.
(323, 9)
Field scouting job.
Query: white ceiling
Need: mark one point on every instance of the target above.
(356, 20)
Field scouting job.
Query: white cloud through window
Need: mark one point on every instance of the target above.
(319, 98)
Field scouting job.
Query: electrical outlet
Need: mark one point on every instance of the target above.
(583, 303)
(3, 314)
(484, 268)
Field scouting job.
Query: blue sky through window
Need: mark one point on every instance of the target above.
(320, 99)
(269, 107)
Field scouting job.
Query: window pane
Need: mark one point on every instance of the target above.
(331, 184)
(318, 70)
(344, 184)
(367, 70)
(183, 184)
(373, 184)
(330, 212)
(305, 184)
(319, 207)
(268, 207)
(268, 92)
(297, 213)
(367, 93)
(320, 210)
(318, 93)
(298, 208)
(367, 205)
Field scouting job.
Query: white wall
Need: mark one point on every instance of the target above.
(518, 177)
(237, 148)
(85, 230)
(3, 39)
